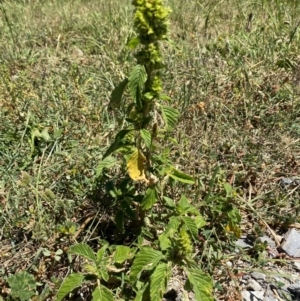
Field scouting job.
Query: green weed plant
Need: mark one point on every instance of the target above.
(168, 227)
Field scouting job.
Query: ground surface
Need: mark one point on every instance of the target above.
(235, 77)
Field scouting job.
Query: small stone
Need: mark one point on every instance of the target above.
(294, 288)
(297, 265)
(280, 283)
(284, 182)
(252, 295)
(268, 240)
(279, 280)
(229, 264)
(297, 181)
(284, 293)
(291, 245)
(241, 242)
(191, 296)
(269, 296)
(253, 285)
(77, 52)
(258, 276)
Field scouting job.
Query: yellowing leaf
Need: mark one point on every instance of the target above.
(233, 229)
(136, 166)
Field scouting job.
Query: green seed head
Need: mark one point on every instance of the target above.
(185, 245)
(150, 20)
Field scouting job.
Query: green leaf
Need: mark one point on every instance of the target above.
(173, 226)
(137, 79)
(22, 285)
(118, 143)
(169, 202)
(191, 225)
(146, 259)
(165, 97)
(164, 242)
(148, 96)
(201, 284)
(133, 43)
(170, 116)
(181, 177)
(57, 133)
(200, 222)
(150, 198)
(102, 293)
(106, 163)
(35, 134)
(83, 250)
(45, 135)
(140, 293)
(122, 254)
(104, 274)
(101, 253)
(146, 135)
(159, 280)
(117, 93)
(69, 284)
(184, 204)
(228, 189)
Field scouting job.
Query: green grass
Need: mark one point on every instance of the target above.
(235, 79)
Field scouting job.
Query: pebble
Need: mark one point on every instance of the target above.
(241, 242)
(252, 295)
(229, 264)
(297, 181)
(297, 265)
(253, 285)
(282, 292)
(284, 295)
(269, 296)
(280, 279)
(294, 288)
(289, 182)
(191, 296)
(258, 276)
(268, 240)
(286, 182)
(291, 245)
(77, 52)
(256, 286)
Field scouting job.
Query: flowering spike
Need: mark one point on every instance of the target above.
(151, 26)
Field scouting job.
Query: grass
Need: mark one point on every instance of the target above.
(234, 75)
